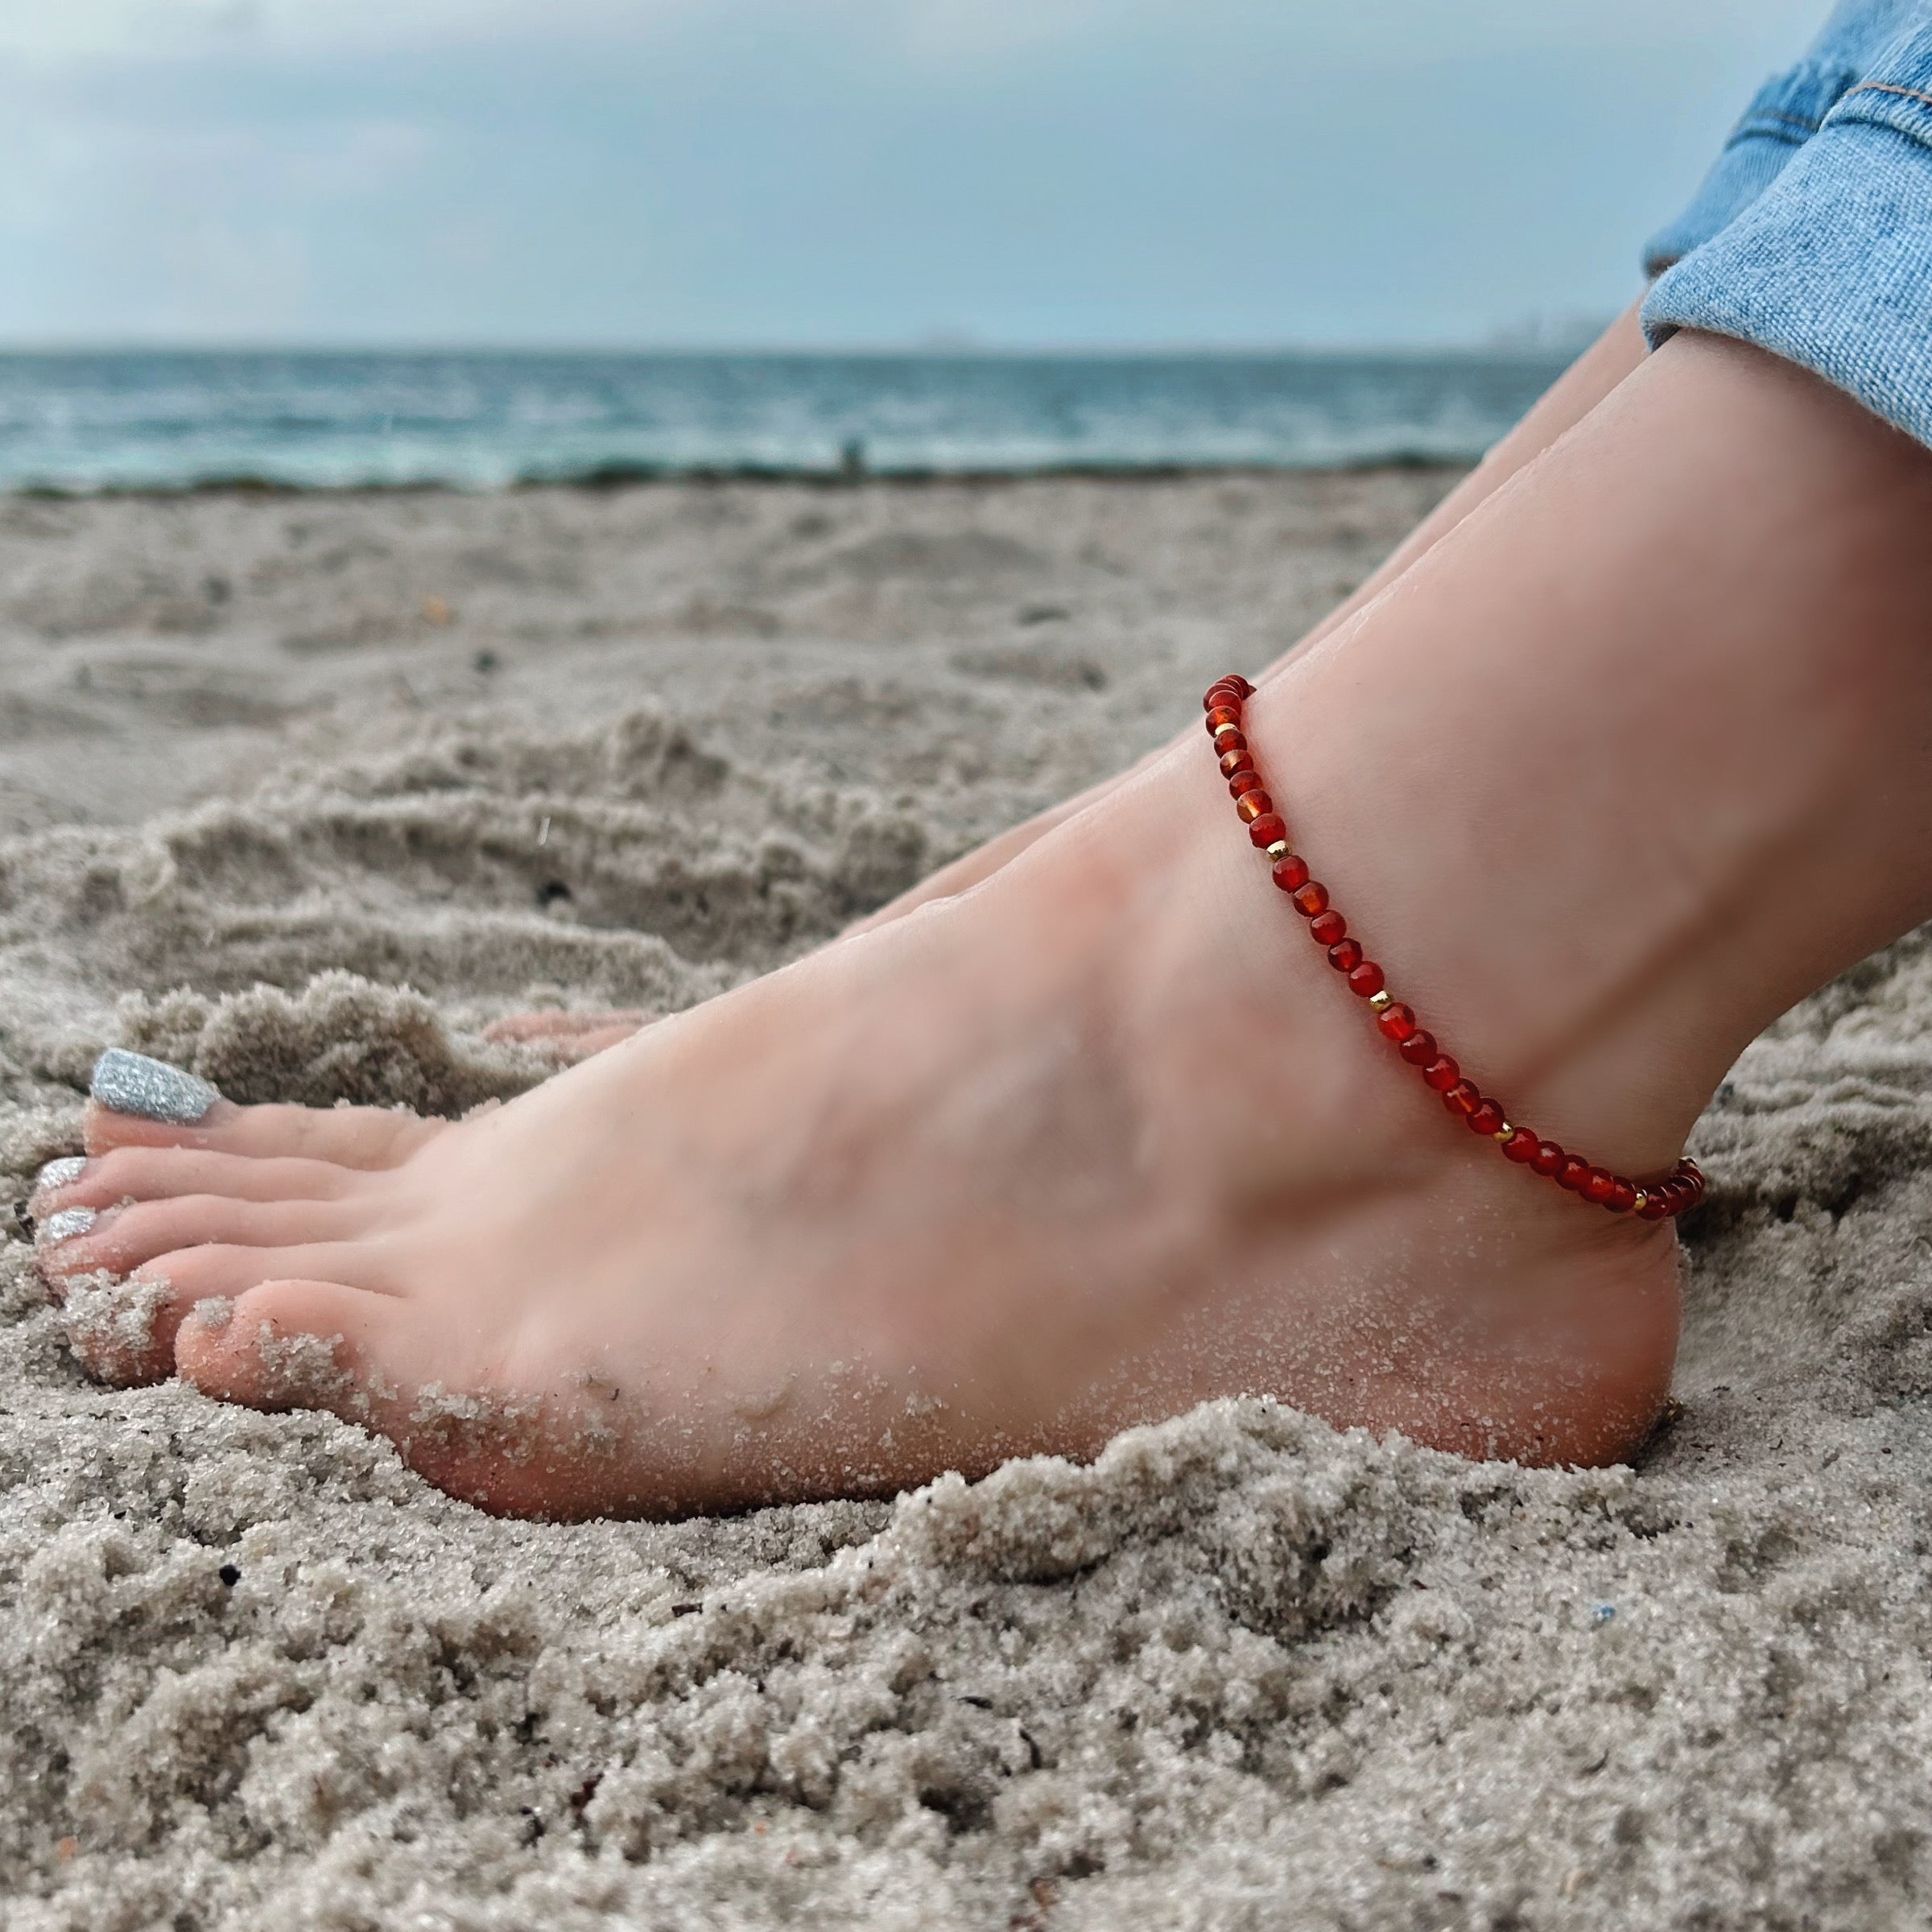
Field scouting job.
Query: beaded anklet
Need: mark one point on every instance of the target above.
(1653, 1200)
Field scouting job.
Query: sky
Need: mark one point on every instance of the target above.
(850, 173)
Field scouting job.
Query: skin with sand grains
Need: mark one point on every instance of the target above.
(800, 1229)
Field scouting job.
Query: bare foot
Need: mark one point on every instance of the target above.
(1104, 1136)
(1103, 1140)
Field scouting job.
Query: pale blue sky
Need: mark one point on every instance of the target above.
(835, 172)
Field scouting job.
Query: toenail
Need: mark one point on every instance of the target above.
(63, 1226)
(62, 1173)
(150, 1090)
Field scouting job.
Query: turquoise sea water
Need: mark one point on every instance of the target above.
(88, 421)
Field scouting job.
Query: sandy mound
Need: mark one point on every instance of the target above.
(1242, 1672)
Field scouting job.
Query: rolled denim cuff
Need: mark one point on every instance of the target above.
(1784, 114)
(1831, 266)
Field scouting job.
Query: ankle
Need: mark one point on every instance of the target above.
(1577, 1037)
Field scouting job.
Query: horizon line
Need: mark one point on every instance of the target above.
(1566, 341)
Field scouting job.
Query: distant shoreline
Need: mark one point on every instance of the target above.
(201, 424)
(608, 477)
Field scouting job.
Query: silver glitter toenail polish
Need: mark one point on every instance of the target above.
(61, 1173)
(150, 1090)
(64, 1226)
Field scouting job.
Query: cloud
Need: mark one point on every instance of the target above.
(847, 171)
(175, 30)
(927, 31)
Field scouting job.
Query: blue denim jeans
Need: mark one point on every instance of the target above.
(1812, 234)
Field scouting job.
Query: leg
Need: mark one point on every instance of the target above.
(1634, 757)
(1590, 377)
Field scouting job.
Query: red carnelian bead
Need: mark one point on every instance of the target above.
(1252, 804)
(1487, 1119)
(1549, 1159)
(1312, 898)
(1326, 927)
(1366, 979)
(1655, 1207)
(1521, 1147)
(1291, 873)
(1220, 692)
(1598, 1185)
(1249, 780)
(1268, 827)
(1418, 1050)
(1397, 1023)
(1573, 1173)
(1442, 1073)
(1222, 714)
(1228, 738)
(1238, 684)
(1464, 1097)
(1344, 956)
(1623, 1196)
(1234, 763)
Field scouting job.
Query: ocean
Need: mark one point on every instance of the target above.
(179, 419)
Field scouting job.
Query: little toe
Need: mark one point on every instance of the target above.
(80, 1240)
(296, 1343)
(380, 1361)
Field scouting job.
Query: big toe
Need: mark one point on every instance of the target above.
(138, 1101)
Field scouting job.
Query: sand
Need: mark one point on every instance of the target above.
(301, 791)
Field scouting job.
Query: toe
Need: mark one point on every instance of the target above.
(123, 1327)
(371, 1359)
(381, 1360)
(572, 1036)
(344, 1137)
(77, 1241)
(290, 1344)
(148, 1174)
(565, 1025)
(595, 1039)
(166, 1290)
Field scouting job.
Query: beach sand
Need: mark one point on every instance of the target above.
(300, 791)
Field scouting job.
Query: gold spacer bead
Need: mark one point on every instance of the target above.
(1637, 1205)
(1503, 1133)
(1278, 849)
(1378, 1000)
(1220, 729)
